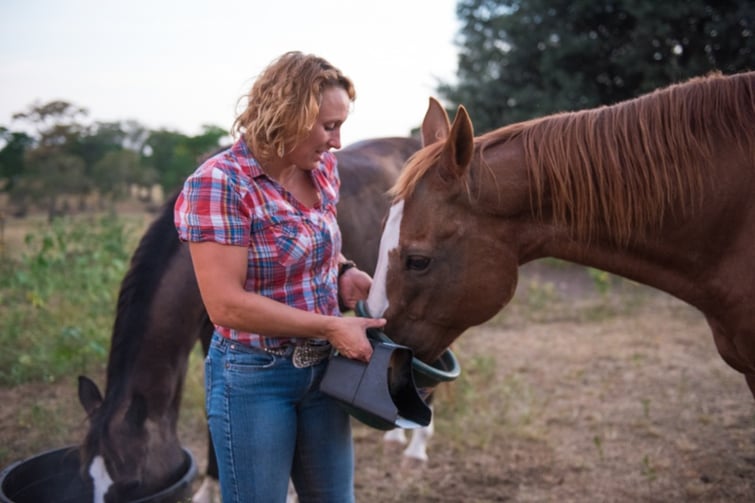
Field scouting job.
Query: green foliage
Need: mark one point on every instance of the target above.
(69, 157)
(12, 157)
(601, 280)
(648, 470)
(520, 59)
(174, 156)
(58, 299)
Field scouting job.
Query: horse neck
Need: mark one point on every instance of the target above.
(503, 188)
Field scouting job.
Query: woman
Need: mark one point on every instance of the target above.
(260, 220)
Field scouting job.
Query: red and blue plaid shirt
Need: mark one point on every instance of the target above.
(292, 249)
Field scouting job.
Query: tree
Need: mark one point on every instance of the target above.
(526, 58)
(112, 153)
(174, 156)
(15, 145)
(67, 159)
(54, 167)
(115, 171)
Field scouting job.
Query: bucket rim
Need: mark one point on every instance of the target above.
(451, 367)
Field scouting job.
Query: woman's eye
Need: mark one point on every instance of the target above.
(417, 262)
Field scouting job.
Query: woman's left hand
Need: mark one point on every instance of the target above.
(353, 285)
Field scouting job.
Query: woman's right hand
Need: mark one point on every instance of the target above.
(348, 335)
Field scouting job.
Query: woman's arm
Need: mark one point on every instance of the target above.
(221, 273)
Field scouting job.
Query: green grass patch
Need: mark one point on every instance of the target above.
(58, 297)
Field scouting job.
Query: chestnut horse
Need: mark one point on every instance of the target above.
(132, 445)
(659, 189)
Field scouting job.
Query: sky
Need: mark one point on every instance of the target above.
(182, 64)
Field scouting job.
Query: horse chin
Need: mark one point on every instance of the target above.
(427, 341)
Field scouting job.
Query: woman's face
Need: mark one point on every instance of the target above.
(326, 132)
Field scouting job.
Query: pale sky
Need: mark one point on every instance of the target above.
(180, 64)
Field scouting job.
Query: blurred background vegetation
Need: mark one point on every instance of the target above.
(527, 58)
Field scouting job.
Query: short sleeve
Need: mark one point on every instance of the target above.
(210, 207)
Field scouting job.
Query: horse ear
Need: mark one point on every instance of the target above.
(89, 395)
(435, 125)
(459, 146)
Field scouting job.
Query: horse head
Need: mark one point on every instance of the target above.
(128, 455)
(644, 189)
(441, 268)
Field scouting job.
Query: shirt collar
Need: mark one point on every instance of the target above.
(246, 159)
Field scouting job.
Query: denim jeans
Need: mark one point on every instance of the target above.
(268, 420)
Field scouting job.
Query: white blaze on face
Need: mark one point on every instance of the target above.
(377, 301)
(101, 478)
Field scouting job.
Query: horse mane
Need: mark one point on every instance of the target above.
(156, 248)
(416, 167)
(622, 166)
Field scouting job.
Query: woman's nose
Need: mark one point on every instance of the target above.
(335, 140)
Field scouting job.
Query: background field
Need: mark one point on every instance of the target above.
(586, 388)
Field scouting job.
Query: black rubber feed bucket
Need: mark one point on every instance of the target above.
(381, 394)
(444, 369)
(390, 391)
(53, 477)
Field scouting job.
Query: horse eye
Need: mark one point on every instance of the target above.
(417, 262)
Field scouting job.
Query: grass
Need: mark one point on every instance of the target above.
(57, 297)
(59, 283)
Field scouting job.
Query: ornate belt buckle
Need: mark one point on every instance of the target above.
(307, 355)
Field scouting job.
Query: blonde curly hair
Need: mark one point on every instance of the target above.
(284, 102)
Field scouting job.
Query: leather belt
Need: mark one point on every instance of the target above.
(304, 355)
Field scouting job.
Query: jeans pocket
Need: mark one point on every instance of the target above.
(241, 358)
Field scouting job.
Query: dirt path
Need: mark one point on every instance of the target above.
(631, 407)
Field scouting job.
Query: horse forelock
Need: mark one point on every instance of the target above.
(89, 448)
(623, 167)
(416, 167)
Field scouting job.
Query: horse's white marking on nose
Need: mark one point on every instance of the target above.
(377, 301)
(102, 480)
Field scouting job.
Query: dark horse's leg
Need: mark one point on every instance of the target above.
(212, 462)
(208, 492)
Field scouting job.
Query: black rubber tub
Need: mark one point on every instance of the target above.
(53, 477)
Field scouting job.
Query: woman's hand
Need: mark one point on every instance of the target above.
(353, 285)
(348, 335)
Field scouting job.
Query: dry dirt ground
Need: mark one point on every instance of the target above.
(570, 395)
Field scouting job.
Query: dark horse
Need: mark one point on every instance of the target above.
(659, 189)
(160, 316)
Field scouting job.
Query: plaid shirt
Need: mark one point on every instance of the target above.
(292, 249)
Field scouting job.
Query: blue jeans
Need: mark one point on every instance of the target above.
(268, 420)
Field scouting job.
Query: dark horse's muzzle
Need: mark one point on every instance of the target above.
(390, 390)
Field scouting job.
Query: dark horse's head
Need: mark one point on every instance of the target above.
(131, 449)
(126, 457)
